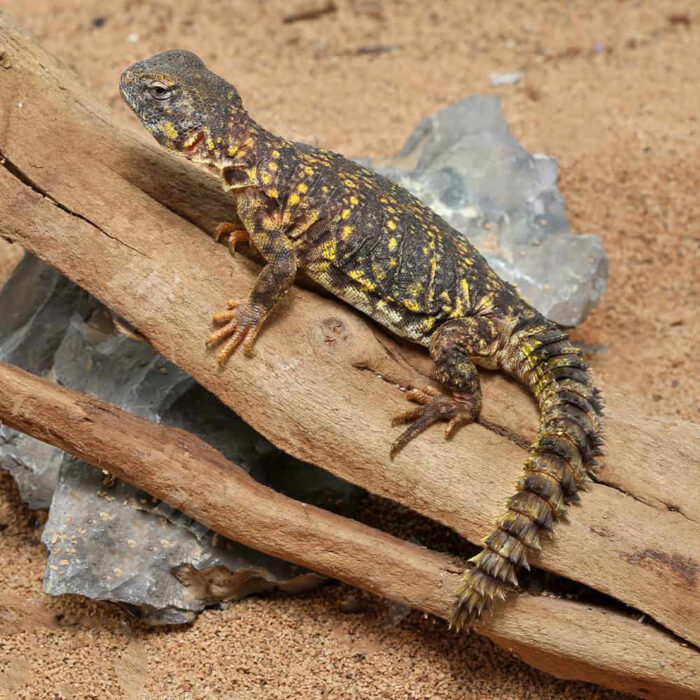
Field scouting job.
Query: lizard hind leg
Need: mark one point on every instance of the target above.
(458, 373)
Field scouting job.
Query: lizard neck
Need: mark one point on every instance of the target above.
(231, 148)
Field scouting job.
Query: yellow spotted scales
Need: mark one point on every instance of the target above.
(374, 245)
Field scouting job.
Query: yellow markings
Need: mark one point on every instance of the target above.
(391, 224)
(411, 304)
(325, 188)
(312, 216)
(358, 275)
(393, 262)
(414, 289)
(170, 131)
(345, 214)
(219, 139)
(445, 297)
(232, 150)
(329, 249)
(210, 143)
(431, 282)
(303, 188)
(270, 223)
(458, 311)
(272, 193)
(427, 324)
(384, 200)
(465, 287)
(393, 243)
(276, 154)
(468, 261)
(272, 166)
(294, 199)
(266, 178)
(426, 250)
(309, 170)
(347, 232)
(391, 210)
(252, 173)
(378, 272)
(350, 183)
(354, 200)
(191, 140)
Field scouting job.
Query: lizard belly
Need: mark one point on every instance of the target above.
(391, 314)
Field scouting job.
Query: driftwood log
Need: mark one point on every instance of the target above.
(124, 220)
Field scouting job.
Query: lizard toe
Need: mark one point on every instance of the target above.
(242, 324)
(433, 408)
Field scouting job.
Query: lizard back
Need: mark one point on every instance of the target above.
(379, 248)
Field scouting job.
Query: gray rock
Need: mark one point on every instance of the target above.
(464, 163)
(36, 304)
(106, 539)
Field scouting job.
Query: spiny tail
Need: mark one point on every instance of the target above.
(560, 460)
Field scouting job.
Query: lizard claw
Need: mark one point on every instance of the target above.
(456, 410)
(242, 322)
(235, 232)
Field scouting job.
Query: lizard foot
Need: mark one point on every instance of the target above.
(242, 322)
(456, 410)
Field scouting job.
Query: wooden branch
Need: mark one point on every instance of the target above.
(88, 198)
(192, 476)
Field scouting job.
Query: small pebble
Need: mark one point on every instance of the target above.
(501, 79)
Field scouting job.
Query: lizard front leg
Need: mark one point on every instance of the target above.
(243, 320)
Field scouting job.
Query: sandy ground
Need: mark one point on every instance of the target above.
(610, 89)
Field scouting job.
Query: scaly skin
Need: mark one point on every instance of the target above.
(374, 245)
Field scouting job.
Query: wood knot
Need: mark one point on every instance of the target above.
(333, 329)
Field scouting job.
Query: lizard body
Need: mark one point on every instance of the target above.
(377, 247)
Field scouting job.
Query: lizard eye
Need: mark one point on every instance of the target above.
(161, 91)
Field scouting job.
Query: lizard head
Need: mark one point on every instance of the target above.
(185, 106)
